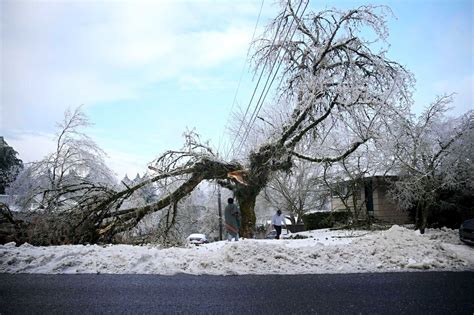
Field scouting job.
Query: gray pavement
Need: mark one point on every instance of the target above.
(375, 293)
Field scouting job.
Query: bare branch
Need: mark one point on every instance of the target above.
(354, 147)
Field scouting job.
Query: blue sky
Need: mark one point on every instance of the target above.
(147, 70)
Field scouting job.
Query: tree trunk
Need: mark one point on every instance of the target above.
(418, 216)
(421, 220)
(355, 192)
(247, 208)
(247, 196)
(424, 217)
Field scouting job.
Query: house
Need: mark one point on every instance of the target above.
(369, 198)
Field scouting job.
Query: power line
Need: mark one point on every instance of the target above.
(264, 93)
(256, 86)
(242, 71)
(256, 111)
(231, 109)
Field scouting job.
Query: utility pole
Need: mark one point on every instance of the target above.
(219, 206)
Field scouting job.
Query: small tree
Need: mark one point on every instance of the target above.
(432, 152)
(345, 181)
(68, 176)
(59, 189)
(298, 192)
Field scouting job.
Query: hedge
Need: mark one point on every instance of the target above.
(327, 219)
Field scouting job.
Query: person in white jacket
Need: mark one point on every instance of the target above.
(277, 221)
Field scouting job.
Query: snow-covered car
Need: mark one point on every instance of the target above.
(466, 232)
(284, 234)
(197, 239)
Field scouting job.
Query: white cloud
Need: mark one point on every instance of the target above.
(61, 54)
(58, 54)
(31, 146)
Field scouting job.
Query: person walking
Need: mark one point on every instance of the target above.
(277, 221)
(232, 220)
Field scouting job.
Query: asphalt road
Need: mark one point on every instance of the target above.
(380, 293)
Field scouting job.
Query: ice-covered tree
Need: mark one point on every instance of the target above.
(59, 190)
(434, 153)
(298, 192)
(197, 213)
(145, 195)
(74, 172)
(334, 74)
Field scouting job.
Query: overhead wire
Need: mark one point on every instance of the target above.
(242, 71)
(266, 90)
(255, 89)
(262, 100)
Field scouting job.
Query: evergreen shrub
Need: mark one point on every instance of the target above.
(324, 220)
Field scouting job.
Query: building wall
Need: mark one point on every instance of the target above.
(338, 205)
(385, 209)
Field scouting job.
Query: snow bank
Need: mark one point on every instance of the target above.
(324, 251)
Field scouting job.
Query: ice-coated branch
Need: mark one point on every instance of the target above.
(341, 157)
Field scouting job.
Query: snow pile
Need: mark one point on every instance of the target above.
(324, 251)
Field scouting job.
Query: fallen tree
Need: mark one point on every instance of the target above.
(332, 81)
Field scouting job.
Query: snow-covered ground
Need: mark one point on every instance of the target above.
(396, 249)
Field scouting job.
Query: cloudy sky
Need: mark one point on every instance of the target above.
(145, 71)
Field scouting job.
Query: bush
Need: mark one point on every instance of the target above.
(323, 220)
(451, 208)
